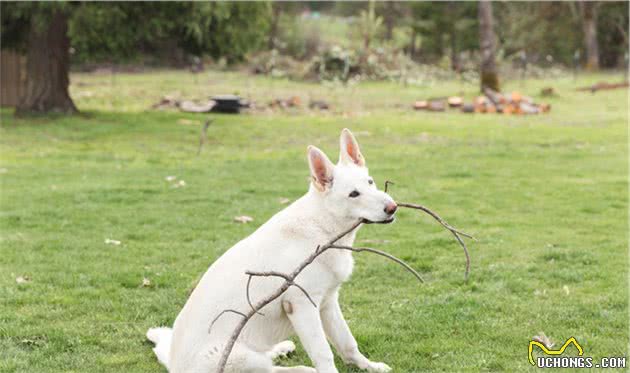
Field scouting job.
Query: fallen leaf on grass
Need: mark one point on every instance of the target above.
(179, 184)
(34, 342)
(188, 122)
(22, 279)
(109, 241)
(284, 201)
(3, 170)
(566, 290)
(542, 338)
(170, 178)
(145, 283)
(243, 219)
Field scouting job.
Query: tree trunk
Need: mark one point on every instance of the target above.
(273, 29)
(47, 68)
(389, 18)
(589, 26)
(487, 40)
(412, 44)
(452, 35)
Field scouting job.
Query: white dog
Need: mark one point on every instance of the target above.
(339, 195)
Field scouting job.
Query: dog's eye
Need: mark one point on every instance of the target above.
(370, 181)
(354, 194)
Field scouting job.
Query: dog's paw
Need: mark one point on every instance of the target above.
(378, 367)
(282, 349)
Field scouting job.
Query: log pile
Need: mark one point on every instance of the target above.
(217, 104)
(490, 102)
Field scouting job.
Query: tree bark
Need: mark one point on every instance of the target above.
(589, 27)
(389, 17)
(275, 21)
(47, 68)
(452, 35)
(487, 43)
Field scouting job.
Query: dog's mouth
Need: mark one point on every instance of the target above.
(386, 221)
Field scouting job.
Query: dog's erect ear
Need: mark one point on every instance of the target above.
(321, 168)
(349, 152)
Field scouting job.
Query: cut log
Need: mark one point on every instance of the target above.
(420, 105)
(294, 101)
(527, 99)
(495, 97)
(436, 105)
(526, 108)
(468, 108)
(480, 104)
(319, 104)
(455, 101)
(192, 107)
(516, 97)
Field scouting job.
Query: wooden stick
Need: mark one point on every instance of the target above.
(289, 279)
(453, 230)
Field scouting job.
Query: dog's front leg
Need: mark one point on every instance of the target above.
(341, 337)
(307, 324)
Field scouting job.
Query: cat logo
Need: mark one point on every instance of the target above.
(553, 352)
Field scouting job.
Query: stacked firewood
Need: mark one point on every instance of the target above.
(491, 102)
(515, 103)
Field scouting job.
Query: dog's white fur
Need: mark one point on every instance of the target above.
(281, 244)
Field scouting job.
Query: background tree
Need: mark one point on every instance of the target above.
(40, 30)
(487, 43)
(369, 24)
(120, 31)
(588, 10)
(445, 28)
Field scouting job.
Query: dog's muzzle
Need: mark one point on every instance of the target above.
(386, 221)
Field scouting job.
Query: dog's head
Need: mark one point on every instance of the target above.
(347, 191)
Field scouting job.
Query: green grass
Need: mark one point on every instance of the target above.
(546, 196)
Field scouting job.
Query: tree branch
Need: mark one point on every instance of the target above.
(289, 279)
(281, 275)
(381, 253)
(453, 230)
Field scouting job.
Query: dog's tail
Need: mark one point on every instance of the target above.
(162, 339)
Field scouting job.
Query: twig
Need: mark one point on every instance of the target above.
(262, 303)
(453, 230)
(221, 314)
(381, 253)
(277, 274)
(289, 279)
(387, 182)
(249, 299)
(204, 134)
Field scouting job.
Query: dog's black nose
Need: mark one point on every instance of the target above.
(391, 208)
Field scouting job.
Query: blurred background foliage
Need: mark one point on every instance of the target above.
(170, 33)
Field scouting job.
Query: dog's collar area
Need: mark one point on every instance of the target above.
(386, 221)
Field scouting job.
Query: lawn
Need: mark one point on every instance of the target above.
(546, 196)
